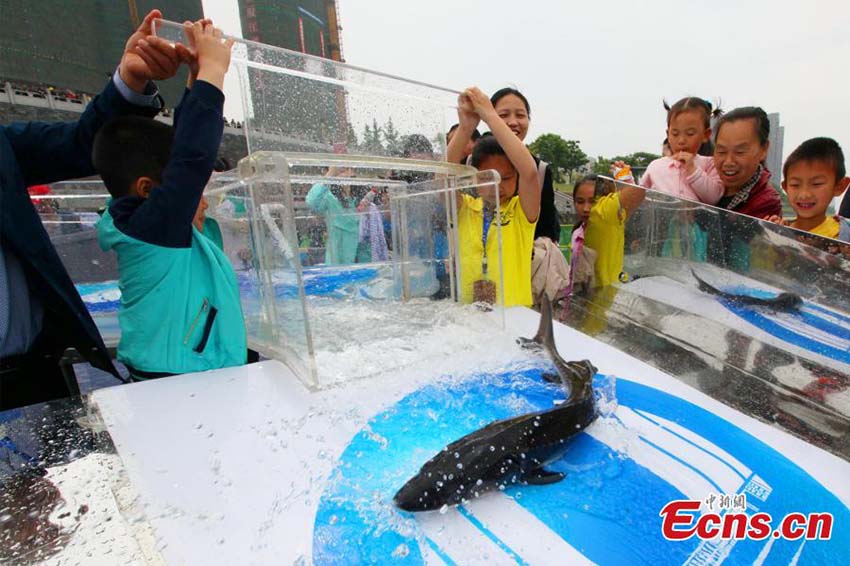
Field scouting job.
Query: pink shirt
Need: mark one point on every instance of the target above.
(668, 176)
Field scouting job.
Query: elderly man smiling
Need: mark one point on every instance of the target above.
(740, 150)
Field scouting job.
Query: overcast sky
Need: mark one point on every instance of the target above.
(596, 71)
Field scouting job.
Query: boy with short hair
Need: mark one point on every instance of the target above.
(180, 309)
(813, 175)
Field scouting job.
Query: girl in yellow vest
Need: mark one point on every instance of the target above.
(519, 207)
(602, 223)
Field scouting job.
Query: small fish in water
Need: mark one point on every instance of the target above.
(510, 451)
(782, 301)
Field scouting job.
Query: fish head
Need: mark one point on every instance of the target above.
(451, 477)
(789, 300)
(433, 487)
(419, 494)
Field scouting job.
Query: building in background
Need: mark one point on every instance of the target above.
(77, 45)
(301, 115)
(308, 26)
(774, 161)
(774, 154)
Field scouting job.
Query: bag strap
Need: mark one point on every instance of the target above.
(541, 172)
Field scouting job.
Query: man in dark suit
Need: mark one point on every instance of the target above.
(41, 313)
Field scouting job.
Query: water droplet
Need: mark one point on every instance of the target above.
(459, 466)
(444, 509)
(457, 455)
(479, 482)
(492, 448)
(401, 551)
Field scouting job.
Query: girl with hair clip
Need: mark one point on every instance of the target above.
(686, 174)
(519, 207)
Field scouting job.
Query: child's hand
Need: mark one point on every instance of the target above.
(466, 116)
(189, 53)
(479, 103)
(777, 220)
(621, 171)
(616, 166)
(146, 57)
(213, 53)
(686, 158)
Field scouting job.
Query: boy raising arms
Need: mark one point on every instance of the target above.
(813, 175)
(180, 309)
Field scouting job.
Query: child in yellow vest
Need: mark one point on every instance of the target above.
(813, 175)
(519, 207)
(602, 223)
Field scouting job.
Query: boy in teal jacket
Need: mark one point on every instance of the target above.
(180, 309)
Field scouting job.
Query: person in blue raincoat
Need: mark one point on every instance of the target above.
(338, 205)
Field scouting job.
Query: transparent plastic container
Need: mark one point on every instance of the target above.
(753, 313)
(339, 287)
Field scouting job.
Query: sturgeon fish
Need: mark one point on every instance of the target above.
(510, 451)
(782, 301)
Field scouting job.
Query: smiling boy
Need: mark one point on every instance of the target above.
(813, 175)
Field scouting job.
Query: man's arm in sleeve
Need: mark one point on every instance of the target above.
(49, 152)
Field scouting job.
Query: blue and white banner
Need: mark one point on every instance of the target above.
(647, 448)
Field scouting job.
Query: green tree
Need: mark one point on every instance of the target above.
(391, 138)
(562, 155)
(439, 141)
(637, 159)
(351, 139)
(642, 158)
(372, 138)
(602, 165)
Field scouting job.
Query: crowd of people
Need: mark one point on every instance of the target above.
(180, 309)
(722, 166)
(42, 91)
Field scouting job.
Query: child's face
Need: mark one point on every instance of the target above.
(687, 131)
(584, 199)
(811, 186)
(508, 184)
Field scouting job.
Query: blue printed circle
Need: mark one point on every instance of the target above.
(608, 506)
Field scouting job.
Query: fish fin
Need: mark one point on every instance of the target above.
(545, 334)
(542, 476)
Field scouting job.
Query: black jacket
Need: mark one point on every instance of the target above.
(548, 223)
(35, 153)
